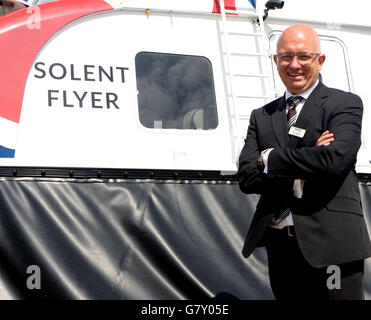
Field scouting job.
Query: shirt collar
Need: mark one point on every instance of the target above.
(304, 94)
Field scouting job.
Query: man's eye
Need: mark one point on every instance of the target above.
(286, 57)
(304, 57)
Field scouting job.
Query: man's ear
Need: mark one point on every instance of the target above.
(275, 58)
(321, 60)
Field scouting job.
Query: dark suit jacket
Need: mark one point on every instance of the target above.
(328, 219)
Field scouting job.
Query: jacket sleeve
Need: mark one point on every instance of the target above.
(249, 176)
(335, 159)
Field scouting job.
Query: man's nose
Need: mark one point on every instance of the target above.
(295, 63)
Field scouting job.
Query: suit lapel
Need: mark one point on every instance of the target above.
(312, 105)
(279, 123)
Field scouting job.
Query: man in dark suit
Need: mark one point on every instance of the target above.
(300, 155)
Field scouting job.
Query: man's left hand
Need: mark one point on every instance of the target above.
(325, 139)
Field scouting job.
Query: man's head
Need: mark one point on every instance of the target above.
(299, 59)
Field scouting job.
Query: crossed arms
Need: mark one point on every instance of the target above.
(333, 153)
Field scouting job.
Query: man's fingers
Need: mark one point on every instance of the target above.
(325, 139)
(325, 143)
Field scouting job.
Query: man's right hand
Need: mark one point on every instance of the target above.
(325, 139)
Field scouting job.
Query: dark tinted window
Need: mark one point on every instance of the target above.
(175, 91)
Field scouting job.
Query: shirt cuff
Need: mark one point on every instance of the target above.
(265, 159)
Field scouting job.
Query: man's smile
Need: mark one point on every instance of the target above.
(295, 75)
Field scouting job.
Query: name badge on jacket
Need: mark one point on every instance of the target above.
(297, 132)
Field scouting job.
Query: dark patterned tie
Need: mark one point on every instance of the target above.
(293, 101)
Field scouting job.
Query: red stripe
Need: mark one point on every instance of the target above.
(20, 45)
(291, 113)
(229, 5)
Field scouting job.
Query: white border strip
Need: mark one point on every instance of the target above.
(8, 133)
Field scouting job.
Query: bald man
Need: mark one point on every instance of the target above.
(299, 154)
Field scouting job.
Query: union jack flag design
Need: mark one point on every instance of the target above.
(16, 63)
(8, 137)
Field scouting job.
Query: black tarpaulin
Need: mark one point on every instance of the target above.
(132, 239)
